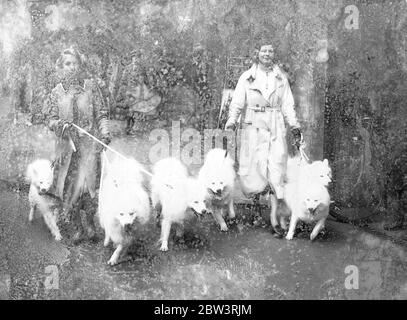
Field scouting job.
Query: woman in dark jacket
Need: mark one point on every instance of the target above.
(77, 100)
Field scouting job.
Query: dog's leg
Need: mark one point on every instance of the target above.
(107, 240)
(291, 230)
(165, 233)
(115, 256)
(273, 213)
(50, 221)
(31, 214)
(232, 213)
(217, 214)
(320, 224)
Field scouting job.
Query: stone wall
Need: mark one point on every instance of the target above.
(348, 70)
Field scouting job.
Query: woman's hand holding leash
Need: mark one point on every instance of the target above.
(230, 126)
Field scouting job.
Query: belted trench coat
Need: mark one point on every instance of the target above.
(76, 172)
(266, 104)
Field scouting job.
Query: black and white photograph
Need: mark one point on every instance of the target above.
(215, 151)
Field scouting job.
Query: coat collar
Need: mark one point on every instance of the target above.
(252, 76)
(83, 85)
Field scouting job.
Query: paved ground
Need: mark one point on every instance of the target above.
(245, 263)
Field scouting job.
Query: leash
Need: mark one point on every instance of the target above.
(114, 151)
(301, 150)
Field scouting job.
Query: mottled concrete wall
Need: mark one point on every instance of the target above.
(366, 112)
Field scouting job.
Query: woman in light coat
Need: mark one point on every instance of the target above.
(264, 100)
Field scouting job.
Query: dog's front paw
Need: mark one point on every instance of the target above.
(31, 216)
(164, 246)
(58, 237)
(289, 236)
(224, 227)
(313, 235)
(112, 261)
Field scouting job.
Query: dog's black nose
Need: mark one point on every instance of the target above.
(312, 211)
(219, 191)
(127, 228)
(204, 211)
(43, 190)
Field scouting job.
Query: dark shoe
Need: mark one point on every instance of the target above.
(278, 232)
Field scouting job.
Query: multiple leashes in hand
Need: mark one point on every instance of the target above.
(301, 146)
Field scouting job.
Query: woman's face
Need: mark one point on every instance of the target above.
(70, 65)
(266, 55)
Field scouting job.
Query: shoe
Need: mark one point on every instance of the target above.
(277, 231)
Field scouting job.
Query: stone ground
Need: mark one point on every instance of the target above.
(247, 262)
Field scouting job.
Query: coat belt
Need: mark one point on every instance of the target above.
(273, 125)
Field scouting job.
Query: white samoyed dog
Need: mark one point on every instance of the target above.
(316, 171)
(302, 177)
(308, 202)
(40, 175)
(218, 176)
(175, 192)
(122, 200)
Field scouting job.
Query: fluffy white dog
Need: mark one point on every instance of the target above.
(309, 203)
(218, 176)
(315, 171)
(175, 191)
(305, 183)
(40, 176)
(122, 200)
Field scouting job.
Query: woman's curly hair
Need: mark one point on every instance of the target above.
(263, 39)
(71, 51)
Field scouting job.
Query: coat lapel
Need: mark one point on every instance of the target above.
(254, 84)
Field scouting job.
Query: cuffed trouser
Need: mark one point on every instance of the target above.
(263, 161)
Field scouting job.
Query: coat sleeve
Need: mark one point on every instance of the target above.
(238, 101)
(287, 106)
(54, 121)
(101, 110)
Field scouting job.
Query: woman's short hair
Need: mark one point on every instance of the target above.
(259, 40)
(70, 52)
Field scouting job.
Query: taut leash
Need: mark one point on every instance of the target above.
(113, 150)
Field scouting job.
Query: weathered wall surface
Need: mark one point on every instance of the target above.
(366, 109)
(190, 50)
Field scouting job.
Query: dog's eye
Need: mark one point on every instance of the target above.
(308, 199)
(131, 213)
(213, 182)
(196, 202)
(122, 214)
(221, 183)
